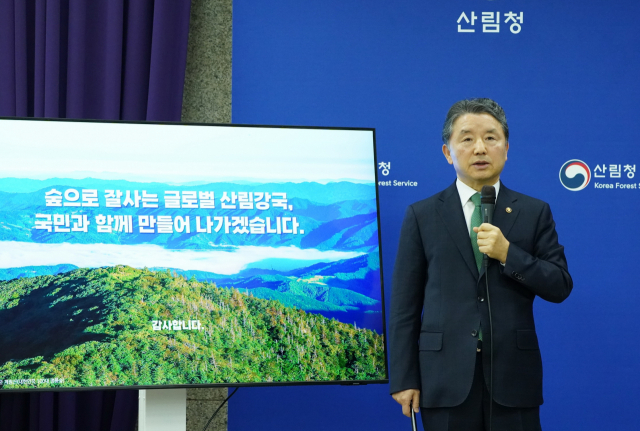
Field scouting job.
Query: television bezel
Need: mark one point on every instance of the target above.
(238, 384)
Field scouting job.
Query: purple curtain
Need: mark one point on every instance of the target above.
(69, 411)
(98, 59)
(95, 59)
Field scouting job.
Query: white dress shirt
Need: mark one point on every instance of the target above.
(465, 192)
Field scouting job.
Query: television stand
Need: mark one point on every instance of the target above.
(162, 410)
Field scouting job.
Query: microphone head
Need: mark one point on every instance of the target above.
(488, 195)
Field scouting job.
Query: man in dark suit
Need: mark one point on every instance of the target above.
(440, 331)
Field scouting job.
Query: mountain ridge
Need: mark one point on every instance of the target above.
(94, 328)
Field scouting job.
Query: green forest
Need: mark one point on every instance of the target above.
(93, 327)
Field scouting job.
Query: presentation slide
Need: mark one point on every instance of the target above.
(173, 254)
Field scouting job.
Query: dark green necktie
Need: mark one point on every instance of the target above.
(476, 220)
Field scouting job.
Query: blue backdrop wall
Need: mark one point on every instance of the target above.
(566, 74)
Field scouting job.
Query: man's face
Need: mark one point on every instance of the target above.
(477, 150)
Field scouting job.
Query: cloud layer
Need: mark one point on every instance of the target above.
(15, 254)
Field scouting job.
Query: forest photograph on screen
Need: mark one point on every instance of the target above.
(164, 254)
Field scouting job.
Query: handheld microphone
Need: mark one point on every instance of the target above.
(487, 206)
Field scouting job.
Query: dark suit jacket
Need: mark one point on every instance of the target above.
(438, 300)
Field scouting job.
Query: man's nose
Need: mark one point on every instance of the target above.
(479, 147)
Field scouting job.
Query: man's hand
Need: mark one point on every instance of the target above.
(491, 242)
(407, 399)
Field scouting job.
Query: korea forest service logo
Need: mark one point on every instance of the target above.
(384, 169)
(575, 175)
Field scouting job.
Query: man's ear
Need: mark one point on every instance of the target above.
(447, 153)
(506, 149)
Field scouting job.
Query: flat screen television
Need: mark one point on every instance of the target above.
(148, 255)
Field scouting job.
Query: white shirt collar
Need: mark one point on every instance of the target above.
(465, 192)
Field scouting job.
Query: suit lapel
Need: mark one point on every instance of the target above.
(502, 217)
(452, 217)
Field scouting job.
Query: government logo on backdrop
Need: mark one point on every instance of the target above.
(575, 175)
(385, 170)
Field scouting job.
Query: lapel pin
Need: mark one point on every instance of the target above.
(509, 210)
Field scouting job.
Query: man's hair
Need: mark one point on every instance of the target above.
(474, 106)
